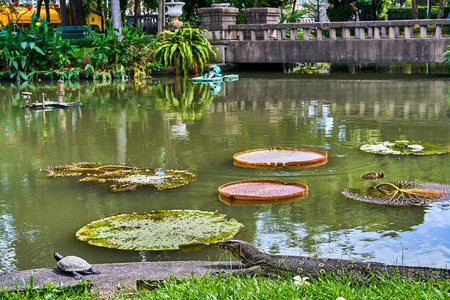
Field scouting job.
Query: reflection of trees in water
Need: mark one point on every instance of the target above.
(184, 98)
(307, 226)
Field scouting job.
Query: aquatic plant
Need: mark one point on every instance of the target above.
(119, 178)
(89, 168)
(159, 230)
(131, 179)
(401, 193)
(280, 156)
(259, 189)
(404, 147)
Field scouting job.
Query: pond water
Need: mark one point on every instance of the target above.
(172, 124)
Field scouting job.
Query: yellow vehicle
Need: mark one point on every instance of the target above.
(22, 16)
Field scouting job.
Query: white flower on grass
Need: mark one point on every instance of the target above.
(301, 280)
(340, 298)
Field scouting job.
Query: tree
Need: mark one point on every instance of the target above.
(115, 15)
(47, 9)
(63, 11)
(78, 16)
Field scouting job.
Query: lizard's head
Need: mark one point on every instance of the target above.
(245, 252)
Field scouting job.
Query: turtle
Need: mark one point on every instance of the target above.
(75, 265)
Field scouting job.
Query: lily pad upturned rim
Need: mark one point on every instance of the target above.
(264, 181)
(238, 202)
(295, 163)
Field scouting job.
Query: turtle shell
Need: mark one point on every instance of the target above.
(73, 264)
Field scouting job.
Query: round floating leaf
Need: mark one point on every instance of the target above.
(87, 168)
(405, 148)
(237, 202)
(279, 157)
(159, 230)
(401, 193)
(130, 180)
(261, 189)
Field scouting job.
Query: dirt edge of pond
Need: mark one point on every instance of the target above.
(115, 278)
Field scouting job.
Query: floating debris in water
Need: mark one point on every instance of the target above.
(401, 193)
(159, 230)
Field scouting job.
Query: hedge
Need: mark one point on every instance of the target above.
(405, 13)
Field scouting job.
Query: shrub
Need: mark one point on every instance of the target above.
(27, 51)
(186, 49)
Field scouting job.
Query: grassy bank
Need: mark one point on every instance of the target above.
(257, 287)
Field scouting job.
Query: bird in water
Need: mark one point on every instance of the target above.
(373, 175)
(413, 147)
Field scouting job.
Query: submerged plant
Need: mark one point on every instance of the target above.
(159, 230)
(401, 193)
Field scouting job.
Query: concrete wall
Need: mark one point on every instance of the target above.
(414, 50)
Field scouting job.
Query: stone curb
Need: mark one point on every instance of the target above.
(115, 277)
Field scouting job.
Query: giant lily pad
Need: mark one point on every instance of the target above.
(279, 157)
(87, 168)
(120, 178)
(130, 180)
(159, 230)
(401, 193)
(262, 189)
(405, 148)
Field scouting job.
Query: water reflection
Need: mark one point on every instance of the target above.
(172, 124)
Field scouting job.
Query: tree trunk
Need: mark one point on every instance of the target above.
(255, 3)
(415, 11)
(78, 17)
(63, 13)
(47, 11)
(115, 15)
(442, 5)
(38, 8)
(161, 15)
(374, 10)
(136, 12)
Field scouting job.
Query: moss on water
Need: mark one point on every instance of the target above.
(159, 230)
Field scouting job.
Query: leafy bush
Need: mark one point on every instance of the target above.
(405, 13)
(366, 8)
(184, 48)
(341, 14)
(113, 53)
(27, 51)
(447, 56)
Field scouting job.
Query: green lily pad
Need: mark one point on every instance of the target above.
(130, 180)
(120, 178)
(87, 168)
(405, 148)
(159, 230)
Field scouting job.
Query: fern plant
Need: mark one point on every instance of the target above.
(186, 49)
(447, 56)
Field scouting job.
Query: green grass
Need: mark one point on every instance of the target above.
(258, 287)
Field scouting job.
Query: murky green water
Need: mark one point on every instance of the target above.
(175, 125)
